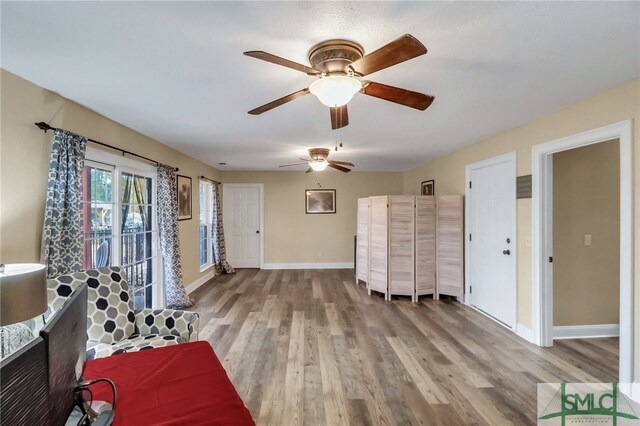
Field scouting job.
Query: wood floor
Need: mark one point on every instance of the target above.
(311, 347)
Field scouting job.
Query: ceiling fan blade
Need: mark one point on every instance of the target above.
(339, 117)
(306, 160)
(342, 169)
(293, 164)
(400, 50)
(273, 104)
(309, 170)
(259, 54)
(400, 96)
(342, 163)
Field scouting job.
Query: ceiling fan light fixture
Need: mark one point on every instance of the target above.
(318, 165)
(335, 90)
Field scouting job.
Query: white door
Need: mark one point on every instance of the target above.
(241, 217)
(491, 225)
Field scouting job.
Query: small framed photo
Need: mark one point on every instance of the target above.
(428, 187)
(320, 201)
(184, 197)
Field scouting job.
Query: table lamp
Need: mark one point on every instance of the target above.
(23, 292)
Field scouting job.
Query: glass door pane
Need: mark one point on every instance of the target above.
(138, 240)
(98, 209)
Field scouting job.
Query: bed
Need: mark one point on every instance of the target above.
(175, 385)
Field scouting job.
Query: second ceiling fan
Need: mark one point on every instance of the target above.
(338, 64)
(319, 161)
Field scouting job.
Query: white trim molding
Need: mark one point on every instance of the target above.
(190, 288)
(525, 332)
(348, 265)
(542, 242)
(586, 331)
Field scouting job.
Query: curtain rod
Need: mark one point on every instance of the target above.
(45, 127)
(210, 180)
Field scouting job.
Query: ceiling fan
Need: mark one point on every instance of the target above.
(318, 161)
(338, 65)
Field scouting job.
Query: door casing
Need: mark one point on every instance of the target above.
(542, 215)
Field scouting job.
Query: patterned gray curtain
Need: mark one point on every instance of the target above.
(177, 297)
(62, 239)
(217, 236)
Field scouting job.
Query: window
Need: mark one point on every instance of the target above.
(120, 226)
(206, 215)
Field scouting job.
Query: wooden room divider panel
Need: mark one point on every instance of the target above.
(378, 244)
(450, 245)
(401, 245)
(415, 245)
(425, 243)
(362, 248)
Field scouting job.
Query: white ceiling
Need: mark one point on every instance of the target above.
(175, 71)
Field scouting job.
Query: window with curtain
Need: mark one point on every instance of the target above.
(120, 226)
(206, 216)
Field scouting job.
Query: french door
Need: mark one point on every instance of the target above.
(120, 224)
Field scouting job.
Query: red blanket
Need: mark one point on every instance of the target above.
(175, 385)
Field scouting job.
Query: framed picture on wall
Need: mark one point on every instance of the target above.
(184, 197)
(320, 201)
(428, 187)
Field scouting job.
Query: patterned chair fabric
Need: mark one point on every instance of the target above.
(112, 324)
(132, 344)
(168, 322)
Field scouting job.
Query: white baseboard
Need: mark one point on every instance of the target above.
(190, 288)
(348, 265)
(586, 331)
(525, 332)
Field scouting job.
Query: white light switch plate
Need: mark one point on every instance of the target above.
(587, 240)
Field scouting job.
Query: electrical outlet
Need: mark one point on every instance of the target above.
(587, 240)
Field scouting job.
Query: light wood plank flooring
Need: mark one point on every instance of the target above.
(311, 347)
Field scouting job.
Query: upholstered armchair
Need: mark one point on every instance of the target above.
(113, 326)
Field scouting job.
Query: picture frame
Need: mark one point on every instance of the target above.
(183, 186)
(428, 187)
(320, 201)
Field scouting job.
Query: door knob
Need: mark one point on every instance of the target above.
(506, 252)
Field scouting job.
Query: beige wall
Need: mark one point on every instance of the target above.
(617, 104)
(291, 236)
(24, 161)
(586, 201)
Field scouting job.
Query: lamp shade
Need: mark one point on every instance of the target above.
(318, 165)
(335, 91)
(23, 292)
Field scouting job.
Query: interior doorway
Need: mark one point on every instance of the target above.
(586, 257)
(586, 241)
(543, 250)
